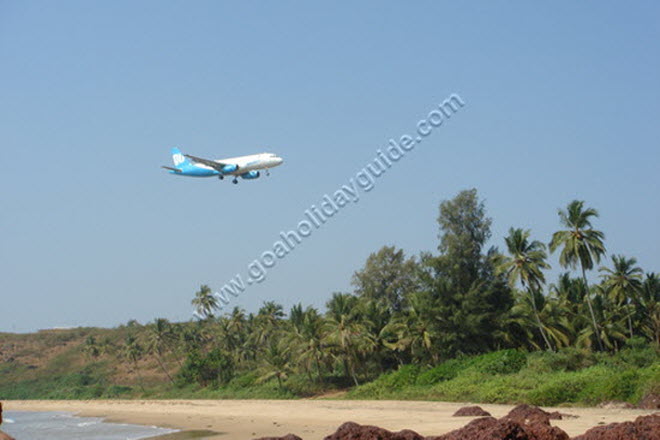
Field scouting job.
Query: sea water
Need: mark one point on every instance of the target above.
(61, 426)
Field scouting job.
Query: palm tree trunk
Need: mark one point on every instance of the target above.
(538, 320)
(591, 309)
(160, 362)
(318, 367)
(349, 370)
(630, 327)
(139, 375)
(174, 350)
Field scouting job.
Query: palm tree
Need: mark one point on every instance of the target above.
(347, 337)
(306, 336)
(133, 352)
(105, 346)
(525, 265)
(415, 331)
(205, 302)
(267, 322)
(581, 244)
(569, 294)
(91, 347)
(341, 304)
(622, 283)
(158, 335)
(649, 305)
(612, 330)
(275, 362)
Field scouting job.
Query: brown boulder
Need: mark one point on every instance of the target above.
(650, 401)
(487, 428)
(407, 434)
(527, 413)
(471, 411)
(353, 431)
(556, 415)
(286, 437)
(506, 428)
(643, 428)
(4, 436)
(536, 422)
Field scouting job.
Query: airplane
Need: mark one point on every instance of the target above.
(247, 167)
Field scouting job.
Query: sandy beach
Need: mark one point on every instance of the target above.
(310, 419)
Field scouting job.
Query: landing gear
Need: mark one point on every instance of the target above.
(221, 177)
(235, 181)
(267, 172)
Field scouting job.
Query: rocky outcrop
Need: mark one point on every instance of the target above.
(643, 428)
(471, 411)
(522, 423)
(527, 413)
(487, 428)
(353, 431)
(286, 437)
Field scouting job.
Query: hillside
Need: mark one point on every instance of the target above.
(59, 364)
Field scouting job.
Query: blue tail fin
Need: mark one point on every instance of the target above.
(178, 158)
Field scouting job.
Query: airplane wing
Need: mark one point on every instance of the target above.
(219, 166)
(176, 170)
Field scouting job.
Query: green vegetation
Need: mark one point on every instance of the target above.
(541, 378)
(467, 323)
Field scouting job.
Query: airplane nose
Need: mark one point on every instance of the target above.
(280, 160)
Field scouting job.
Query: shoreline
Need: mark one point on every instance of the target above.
(309, 419)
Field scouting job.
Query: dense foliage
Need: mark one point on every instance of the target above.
(467, 323)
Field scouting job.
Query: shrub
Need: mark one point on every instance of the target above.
(566, 359)
(559, 388)
(636, 356)
(501, 362)
(445, 371)
(211, 369)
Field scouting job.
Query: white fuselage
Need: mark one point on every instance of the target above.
(249, 163)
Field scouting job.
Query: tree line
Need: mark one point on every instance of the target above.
(465, 299)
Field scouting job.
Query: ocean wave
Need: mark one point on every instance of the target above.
(9, 421)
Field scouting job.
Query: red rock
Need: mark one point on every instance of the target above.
(643, 428)
(471, 411)
(556, 415)
(528, 413)
(407, 434)
(487, 428)
(506, 428)
(286, 437)
(353, 431)
(4, 436)
(651, 401)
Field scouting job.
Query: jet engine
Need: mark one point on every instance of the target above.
(251, 175)
(229, 168)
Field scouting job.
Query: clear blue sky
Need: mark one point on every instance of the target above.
(563, 102)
